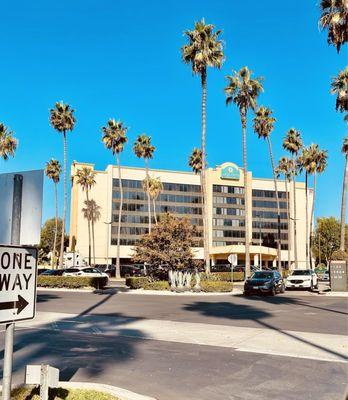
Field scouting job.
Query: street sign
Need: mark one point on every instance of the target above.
(233, 259)
(18, 273)
(31, 188)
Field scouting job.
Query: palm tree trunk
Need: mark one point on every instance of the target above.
(93, 238)
(278, 206)
(203, 183)
(311, 221)
(246, 193)
(295, 218)
(288, 221)
(89, 229)
(306, 188)
(54, 251)
(344, 207)
(154, 210)
(64, 203)
(118, 266)
(148, 193)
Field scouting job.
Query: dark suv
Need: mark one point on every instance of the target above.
(270, 282)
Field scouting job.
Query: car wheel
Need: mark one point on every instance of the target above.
(282, 288)
(245, 293)
(273, 291)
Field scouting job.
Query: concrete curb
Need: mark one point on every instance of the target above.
(169, 293)
(123, 394)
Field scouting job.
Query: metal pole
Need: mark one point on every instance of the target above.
(44, 382)
(260, 242)
(10, 328)
(319, 249)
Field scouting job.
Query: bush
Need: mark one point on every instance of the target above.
(146, 283)
(339, 255)
(71, 282)
(222, 276)
(216, 286)
(156, 285)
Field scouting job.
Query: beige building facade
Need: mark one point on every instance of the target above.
(181, 196)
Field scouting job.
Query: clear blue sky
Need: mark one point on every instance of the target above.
(121, 59)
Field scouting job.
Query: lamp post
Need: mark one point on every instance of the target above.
(107, 242)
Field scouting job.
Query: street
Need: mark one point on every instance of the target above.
(289, 346)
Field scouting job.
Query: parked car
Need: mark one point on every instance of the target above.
(40, 271)
(270, 282)
(71, 271)
(326, 276)
(53, 272)
(133, 270)
(302, 278)
(109, 269)
(91, 272)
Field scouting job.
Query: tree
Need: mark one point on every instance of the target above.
(263, 127)
(195, 161)
(91, 212)
(293, 144)
(62, 120)
(204, 49)
(327, 239)
(53, 171)
(334, 18)
(8, 144)
(85, 177)
(143, 149)
(155, 188)
(114, 139)
(285, 167)
(344, 194)
(313, 161)
(243, 91)
(167, 245)
(47, 237)
(339, 87)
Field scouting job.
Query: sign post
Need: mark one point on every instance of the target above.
(233, 260)
(18, 265)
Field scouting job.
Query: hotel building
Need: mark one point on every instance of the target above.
(181, 196)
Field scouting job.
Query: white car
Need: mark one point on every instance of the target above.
(326, 276)
(302, 278)
(86, 271)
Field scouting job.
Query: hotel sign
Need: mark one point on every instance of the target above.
(230, 171)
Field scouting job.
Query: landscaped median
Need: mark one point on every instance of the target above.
(72, 282)
(215, 282)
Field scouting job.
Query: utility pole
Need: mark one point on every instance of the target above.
(10, 328)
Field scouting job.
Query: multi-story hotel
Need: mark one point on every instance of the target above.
(181, 196)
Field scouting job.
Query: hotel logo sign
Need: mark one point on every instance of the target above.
(230, 171)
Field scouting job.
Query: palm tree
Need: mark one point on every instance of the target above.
(155, 188)
(91, 212)
(62, 120)
(243, 91)
(53, 171)
(8, 144)
(314, 161)
(195, 161)
(143, 149)
(204, 49)
(339, 87)
(85, 177)
(263, 126)
(293, 144)
(284, 168)
(344, 195)
(114, 139)
(334, 18)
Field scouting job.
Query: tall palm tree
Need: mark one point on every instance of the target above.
(293, 144)
(62, 120)
(284, 168)
(155, 188)
(91, 212)
(334, 18)
(114, 139)
(53, 171)
(144, 149)
(204, 49)
(243, 91)
(8, 144)
(344, 195)
(339, 87)
(85, 177)
(195, 160)
(263, 127)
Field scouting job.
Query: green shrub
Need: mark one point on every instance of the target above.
(71, 282)
(222, 276)
(216, 286)
(156, 285)
(136, 282)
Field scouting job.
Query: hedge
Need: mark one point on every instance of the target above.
(71, 282)
(222, 276)
(216, 286)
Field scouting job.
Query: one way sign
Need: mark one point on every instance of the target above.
(18, 274)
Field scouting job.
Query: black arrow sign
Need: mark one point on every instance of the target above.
(20, 304)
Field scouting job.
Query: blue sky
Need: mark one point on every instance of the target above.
(121, 59)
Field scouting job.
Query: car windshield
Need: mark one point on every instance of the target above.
(262, 275)
(301, 272)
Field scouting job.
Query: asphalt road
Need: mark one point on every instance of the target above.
(169, 370)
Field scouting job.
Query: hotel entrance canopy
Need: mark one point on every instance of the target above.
(222, 252)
